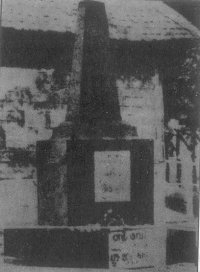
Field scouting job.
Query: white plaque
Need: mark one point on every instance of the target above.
(130, 249)
(112, 176)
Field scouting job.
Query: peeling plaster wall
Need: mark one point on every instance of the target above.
(25, 109)
(138, 105)
(134, 96)
(25, 117)
(18, 202)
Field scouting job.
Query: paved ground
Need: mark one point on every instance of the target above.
(13, 268)
(8, 266)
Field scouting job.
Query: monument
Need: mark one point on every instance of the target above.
(95, 175)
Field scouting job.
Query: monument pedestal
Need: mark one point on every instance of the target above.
(100, 192)
(96, 182)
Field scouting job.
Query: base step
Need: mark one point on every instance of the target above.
(123, 247)
(57, 247)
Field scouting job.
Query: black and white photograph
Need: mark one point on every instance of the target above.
(99, 135)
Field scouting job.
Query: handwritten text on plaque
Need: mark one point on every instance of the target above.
(112, 176)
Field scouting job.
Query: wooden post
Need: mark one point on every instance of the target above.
(159, 163)
(159, 120)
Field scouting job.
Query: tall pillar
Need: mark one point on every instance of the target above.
(99, 102)
(159, 160)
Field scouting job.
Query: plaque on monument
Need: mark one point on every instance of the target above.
(112, 176)
(130, 249)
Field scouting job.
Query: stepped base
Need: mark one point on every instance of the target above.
(94, 246)
(57, 247)
(80, 247)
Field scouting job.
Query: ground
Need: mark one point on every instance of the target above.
(7, 266)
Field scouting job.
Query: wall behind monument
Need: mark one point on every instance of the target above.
(26, 117)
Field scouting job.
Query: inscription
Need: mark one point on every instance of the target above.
(129, 249)
(112, 176)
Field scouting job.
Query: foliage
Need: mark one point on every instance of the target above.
(185, 100)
